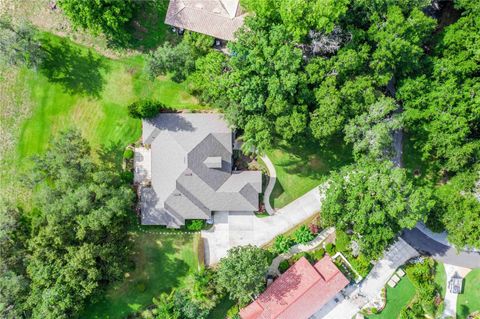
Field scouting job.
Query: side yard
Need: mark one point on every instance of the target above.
(397, 298)
(469, 300)
(161, 263)
(303, 166)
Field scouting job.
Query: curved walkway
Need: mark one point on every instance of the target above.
(311, 245)
(271, 183)
(446, 254)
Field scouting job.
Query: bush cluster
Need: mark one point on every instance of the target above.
(145, 109)
(195, 224)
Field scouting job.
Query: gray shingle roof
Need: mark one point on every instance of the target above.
(217, 18)
(183, 184)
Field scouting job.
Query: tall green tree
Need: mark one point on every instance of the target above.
(242, 272)
(13, 254)
(19, 44)
(101, 16)
(79, 238)
(376, 201)
(372, 132)
(442, 107)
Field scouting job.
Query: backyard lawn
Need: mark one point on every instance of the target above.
(469, 300)
(303, 166)
(161, 263)
(397, 298)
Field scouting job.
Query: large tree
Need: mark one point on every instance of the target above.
(442, 107)
(100, 16)
(19, 44)
(13, 281)
(79, 237)
(459, 209)
(242, 272)
(376, 201)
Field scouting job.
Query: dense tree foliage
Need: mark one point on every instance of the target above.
(442, 107)
(18, 44)
(376, 201)
(242, 272)
(179, 60)
(100, 16)
(13, 281)
(144, 109)
(79, 238)
(458, 209)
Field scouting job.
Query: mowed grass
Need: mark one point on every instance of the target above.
(76, 87)
(469, 300)
(303, 166)
(397, 298)
(161, 263)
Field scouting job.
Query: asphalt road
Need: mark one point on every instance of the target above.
(427, 246)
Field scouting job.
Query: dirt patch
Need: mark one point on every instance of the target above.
(315, 163)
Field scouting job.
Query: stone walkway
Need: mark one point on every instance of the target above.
(244, 228)
(271, 184)
(273, 269)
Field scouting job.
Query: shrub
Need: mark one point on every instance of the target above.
(282, 244)
(303, 235)
(128, 154)
(144, 109)
(374, 310)
(313, 228)
(195, 224)
(283, 266)
(361, 264)
(330, 248)
(127, 177)
(318, 254)
(297, 257)
(342, 241)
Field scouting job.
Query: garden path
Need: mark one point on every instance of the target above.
(311, 245)
(271, 183)
(450, 310)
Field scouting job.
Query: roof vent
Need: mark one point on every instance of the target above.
(213, 162)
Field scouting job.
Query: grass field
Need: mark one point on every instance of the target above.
(469, 300)
(397, 298)
(76, 87)
(304, 166)
(161, 263)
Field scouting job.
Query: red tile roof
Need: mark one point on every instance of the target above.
(299, 292)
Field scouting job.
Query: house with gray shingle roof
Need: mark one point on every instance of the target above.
(217, 18)
(192, 171)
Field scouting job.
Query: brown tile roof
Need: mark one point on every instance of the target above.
(217, 18)
(299, 292)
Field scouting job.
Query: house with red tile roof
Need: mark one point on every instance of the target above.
(299, 292)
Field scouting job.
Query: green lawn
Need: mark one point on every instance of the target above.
(441, 277)
(220, 311)
(469, 300)
(397, 298)
(303, 166)
(161, 263)
(77, 87)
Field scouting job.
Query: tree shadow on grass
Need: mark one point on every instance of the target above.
(111, 155)
(78, 71)
(310, 159)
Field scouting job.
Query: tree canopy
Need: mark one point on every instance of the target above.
(376, 201)
(100, 16)
(242, 272)
(79, 238)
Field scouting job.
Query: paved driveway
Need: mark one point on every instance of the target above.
(244, 228)
(441, 252)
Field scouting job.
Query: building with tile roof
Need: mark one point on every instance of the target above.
(192, 173)
(217, 18)
(299, 292)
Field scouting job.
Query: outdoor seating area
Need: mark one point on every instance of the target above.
(395, 279)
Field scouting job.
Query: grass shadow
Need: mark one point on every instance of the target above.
(78, 71)
(111, 155)
(309, 159)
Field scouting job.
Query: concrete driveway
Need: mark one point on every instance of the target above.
(244, 228)
(352, 299)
